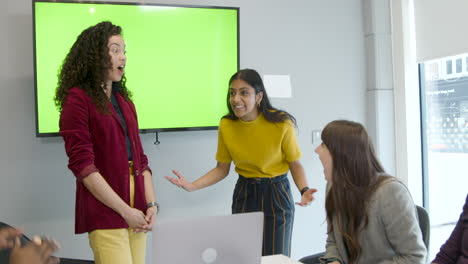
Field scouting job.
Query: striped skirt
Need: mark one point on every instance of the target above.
(272, 196)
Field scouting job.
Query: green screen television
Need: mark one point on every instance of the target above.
(179, 59)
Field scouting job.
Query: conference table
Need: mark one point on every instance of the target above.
(278, 259)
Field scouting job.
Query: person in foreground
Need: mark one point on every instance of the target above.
(371, 216)
(261, 142)
(38, 251)
(115, 199)
(455, 249)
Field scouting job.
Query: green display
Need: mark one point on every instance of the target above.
(179, 59)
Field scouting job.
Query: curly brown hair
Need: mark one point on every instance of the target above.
(86, 66)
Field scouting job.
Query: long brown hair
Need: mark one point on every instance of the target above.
(86, 66)
(355, 177)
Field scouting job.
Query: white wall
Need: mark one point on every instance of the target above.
(319, 43)
(380, 88)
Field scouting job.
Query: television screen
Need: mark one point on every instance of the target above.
(179, 59)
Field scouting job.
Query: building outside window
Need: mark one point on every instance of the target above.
(444, 131)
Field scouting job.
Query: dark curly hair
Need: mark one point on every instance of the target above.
(270, 113)
(86, 66)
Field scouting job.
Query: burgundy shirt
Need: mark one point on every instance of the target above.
(95, 142)
(455, 250)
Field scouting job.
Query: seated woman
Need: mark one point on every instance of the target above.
(371, 216)
(455, 250)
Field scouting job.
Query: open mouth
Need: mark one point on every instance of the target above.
(121, 68)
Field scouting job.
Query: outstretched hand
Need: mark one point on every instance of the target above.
(307, 197)
(180, 181)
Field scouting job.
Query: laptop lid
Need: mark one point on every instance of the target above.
(227, 239)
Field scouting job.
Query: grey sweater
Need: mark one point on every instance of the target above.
(392, 234)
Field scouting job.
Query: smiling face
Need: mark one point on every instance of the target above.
(326, 159)
(116, 46)
(243, 100)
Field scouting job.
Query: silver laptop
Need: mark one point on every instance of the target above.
(227, 239)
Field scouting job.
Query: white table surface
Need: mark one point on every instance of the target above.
(278, 259)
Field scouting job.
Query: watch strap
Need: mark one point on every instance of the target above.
(151, 204)
(303, 190)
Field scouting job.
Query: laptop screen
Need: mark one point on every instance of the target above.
(227, 239)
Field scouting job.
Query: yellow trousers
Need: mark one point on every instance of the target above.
(119, 246)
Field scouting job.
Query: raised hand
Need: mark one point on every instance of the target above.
(307, 197)
(180, 181)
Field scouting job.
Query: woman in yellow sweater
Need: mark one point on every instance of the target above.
(261, 141)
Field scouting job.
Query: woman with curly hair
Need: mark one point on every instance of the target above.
(371, 215)
(261, 141)
(115, 199)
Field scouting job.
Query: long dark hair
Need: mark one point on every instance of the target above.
(355, 177)
(86, 66)
(271, 114)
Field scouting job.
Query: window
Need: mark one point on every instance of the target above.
(448, 65)
(444, 111)
(459, 65)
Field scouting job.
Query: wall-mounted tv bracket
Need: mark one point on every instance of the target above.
(156, 140)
